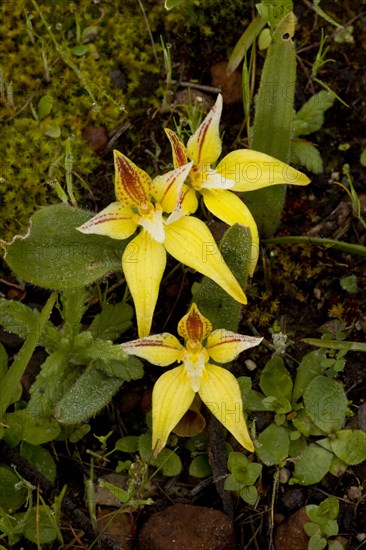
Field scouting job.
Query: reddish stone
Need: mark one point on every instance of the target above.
(291, 535)
(187, 527)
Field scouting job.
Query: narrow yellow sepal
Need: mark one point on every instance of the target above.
(114, 221)
(190, 242)
(131, 183)
(171, 399)
(230, 209)
(220, 392)
(160, 349)
(204, 146)
(224, 346)
(251, 170)
(143, 263)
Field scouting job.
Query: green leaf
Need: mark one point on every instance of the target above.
(311, 528)
(128, 444)
(232, 484)
(213, 302)
(74, 305)
(272, 128)
(275, 444)
(38, 430)
(236, 460)
(317, 542)
(169, 462)
(305, 425)
(310, 118)
(53, 130)
(307, 155)
(112, 321)
(169, 4)
(53, 382)
(328, 509)
(309, 368)
(55, 255)
(312, 466)
(349, 284)
(80, 50)
(200, 467)
(39, 527)
(249, 494)
(363, 157)
(40, 459)
(10, 497)
(18, 318)
(44, 107)
(326, 404)
(118, 492)
(275, 379)
(3, 362)
(91, 392)
(350, 446)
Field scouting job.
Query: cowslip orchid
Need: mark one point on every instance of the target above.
(240, 170)
(158, 207)
(176, 389)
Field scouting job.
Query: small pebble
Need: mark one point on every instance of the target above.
(250, 365)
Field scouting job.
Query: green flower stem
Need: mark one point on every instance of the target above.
(336, 344)
(12, 378)
(331, 243)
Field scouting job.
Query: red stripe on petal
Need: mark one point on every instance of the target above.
(130, 181)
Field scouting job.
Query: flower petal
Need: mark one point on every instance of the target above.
(171, 399)
(211, 179)
(194, 326)
(221, 394)
(224, 345)
(132, 185)
(143, 264)
(178, 149)
(187, 204)
(251, 170)
(160, 349)
(230, 209)
(153, 223)
(115, 221)
(205, 144)
(190, 242)
(167, 188)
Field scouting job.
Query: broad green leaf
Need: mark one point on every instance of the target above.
(310, 118)
(3, 362)
(311, 528)
(40, 459)
(112, 321)
(231, 484)
(350, 446)
(40, 528)
(326, 403)
(213, 302)
(275, 443)
(307, 155)
(338, 467)
(200, 467)
(328, 509)
(53, 130)
(169, 462)
(275, 379)
(131, 369)
(249, 494)
(236, 460)
(55, 379)
(10, 497)
(317, 542)
(297, 446)
(272, 128)
(80, 50)
(305, 425)
(38, 430)
(309, 368)
(18, 318)
(10, 382)
(312, 466)
(55, 255)
(91, 392)
(74, 305)
(128, 444)
(44, 107)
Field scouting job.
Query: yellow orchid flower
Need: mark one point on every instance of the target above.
(158, 208)
(241, 170)
(175, 390)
